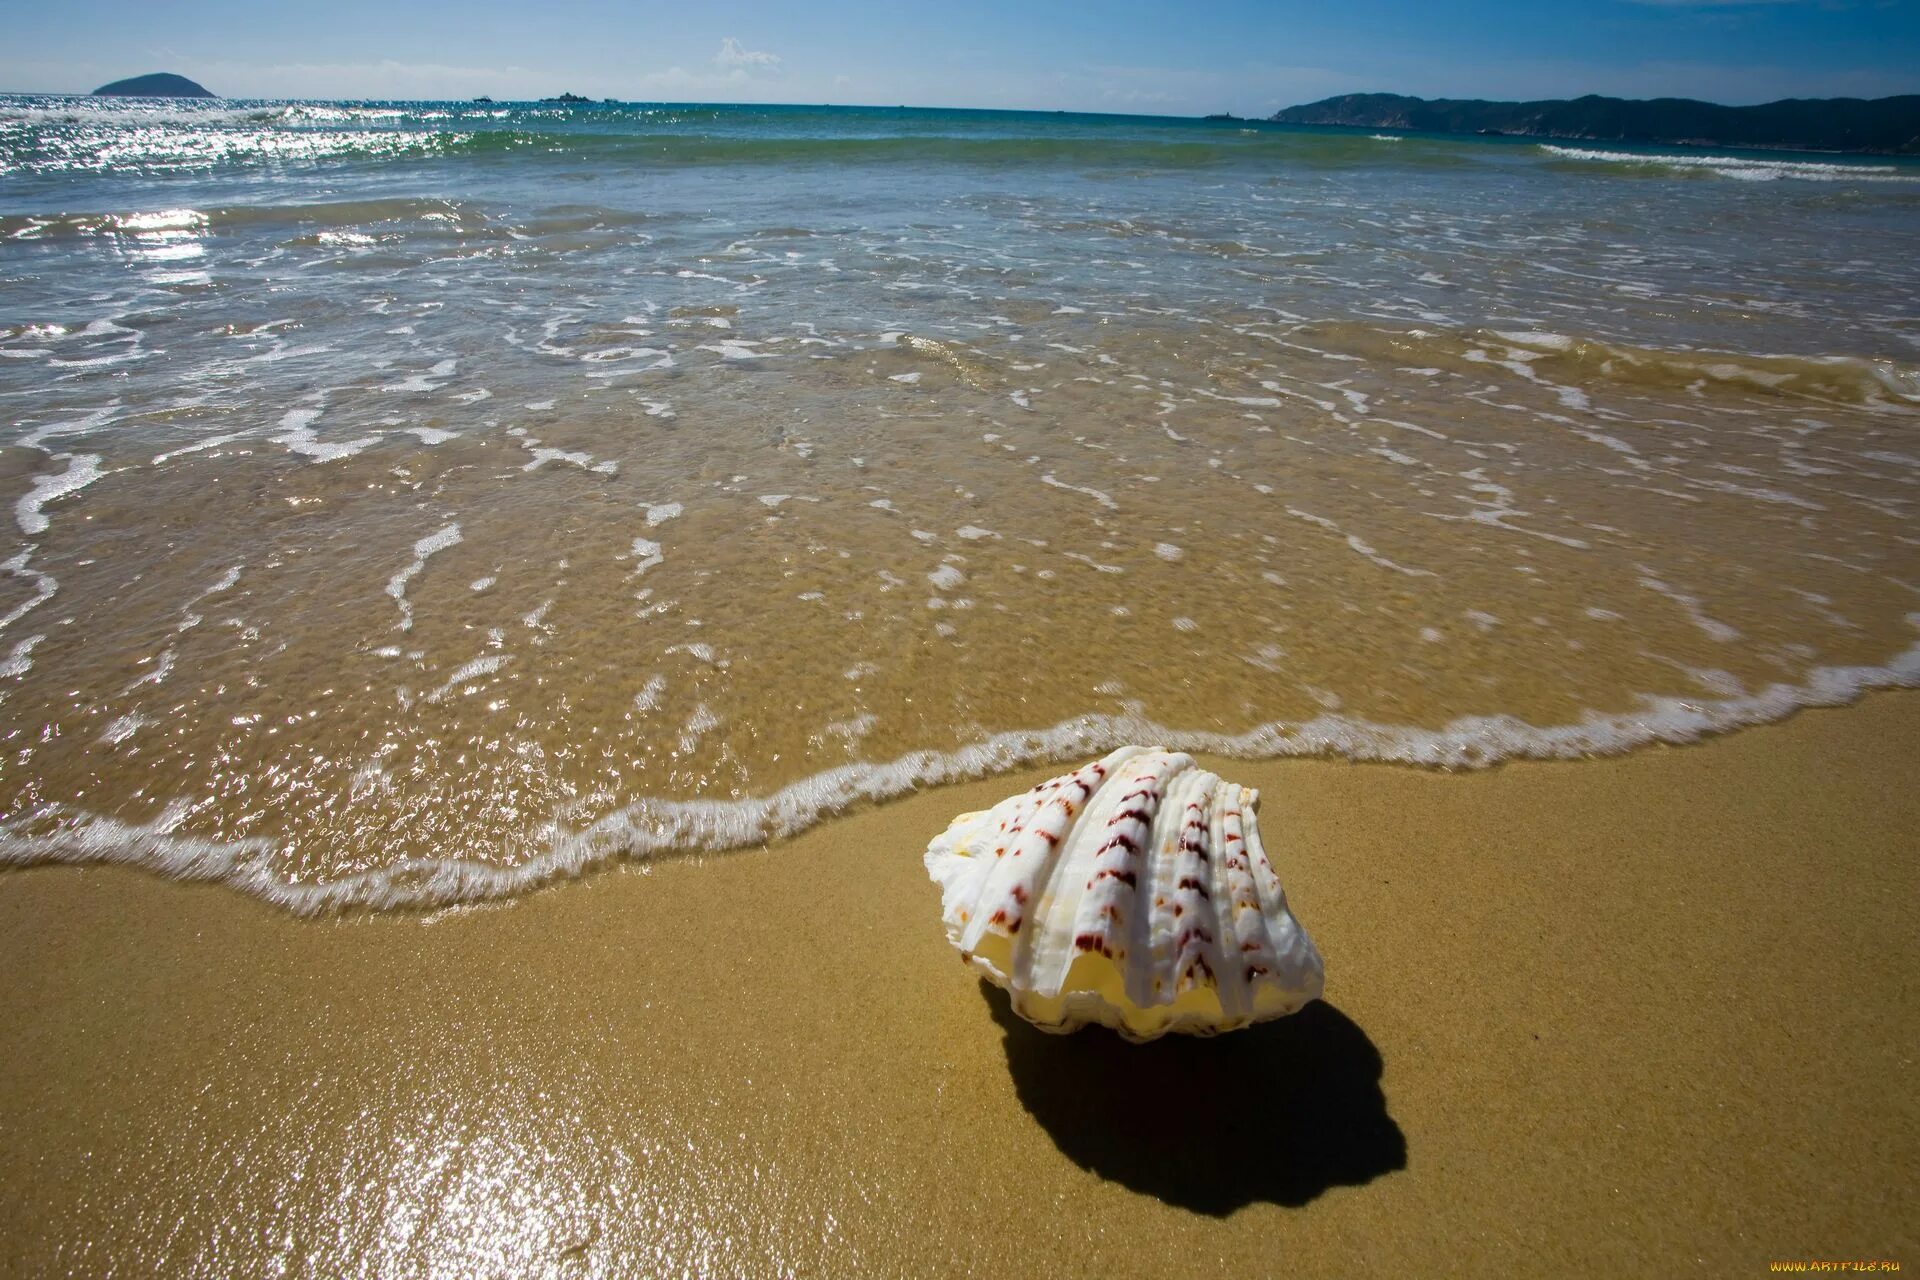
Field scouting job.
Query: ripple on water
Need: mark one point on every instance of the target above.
(688, 516)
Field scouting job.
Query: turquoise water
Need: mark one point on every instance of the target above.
(1392, 206)
(415, 501)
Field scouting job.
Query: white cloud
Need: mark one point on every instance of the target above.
(735, 58)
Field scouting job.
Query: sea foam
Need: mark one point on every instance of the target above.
(59, 834)
(1742, 168)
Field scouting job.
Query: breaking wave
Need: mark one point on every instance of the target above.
(1742, 168)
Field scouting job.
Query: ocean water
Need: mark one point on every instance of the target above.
(413, 502)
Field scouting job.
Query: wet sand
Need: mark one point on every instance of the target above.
(1652, 1014)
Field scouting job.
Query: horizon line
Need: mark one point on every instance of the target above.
(901, 106)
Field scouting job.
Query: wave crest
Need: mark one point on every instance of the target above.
(1741, 168)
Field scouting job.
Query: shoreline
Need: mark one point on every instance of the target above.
(648, 829)
(1649, 1011)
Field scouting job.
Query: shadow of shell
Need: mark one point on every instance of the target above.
(1277, 1113)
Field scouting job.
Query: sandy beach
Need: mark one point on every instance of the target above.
(517, 529)
(1642, 1015)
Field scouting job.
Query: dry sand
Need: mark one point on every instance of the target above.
(1652, 1015)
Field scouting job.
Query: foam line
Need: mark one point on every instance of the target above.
(82, 470)
(44, 586)
(56, 833)
(397, 584)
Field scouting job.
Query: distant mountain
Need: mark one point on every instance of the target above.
(161, 84)
(1885, 125)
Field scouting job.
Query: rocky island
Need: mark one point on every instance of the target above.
(161, 84)
(1889, 126)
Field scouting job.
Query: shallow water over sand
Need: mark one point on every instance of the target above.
(414, 519)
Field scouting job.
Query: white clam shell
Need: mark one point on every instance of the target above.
(1132, 892)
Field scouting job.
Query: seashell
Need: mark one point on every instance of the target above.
(1133, 892)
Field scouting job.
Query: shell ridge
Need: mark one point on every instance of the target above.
(1032, 948)
(1146, 978)
(1236, 1000)
(1299, 972)
(1196, 949)
(1158, 982)
(1254, 953)
(1053, 951)
(1158, 962)
(1013, 813)
(1023, 858)
(959, 875)
(1114, 874)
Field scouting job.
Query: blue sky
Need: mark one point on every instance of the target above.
(1245, 56)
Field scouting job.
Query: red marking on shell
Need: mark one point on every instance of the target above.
(1188, 935)
(1189, 883)
(1256, 971)
(1019, 894)
(1200, 965)
(1140, 816)
(1120, 841)
(1092, 942)
(1123, 875)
